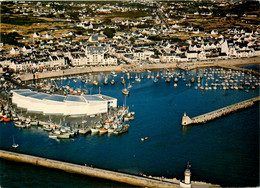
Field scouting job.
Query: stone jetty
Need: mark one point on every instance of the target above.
(186, 120)
(100, 173)
(85, 170)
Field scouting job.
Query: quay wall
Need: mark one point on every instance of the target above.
(83, 70)
(84, 170)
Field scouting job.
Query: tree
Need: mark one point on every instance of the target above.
(109, 32)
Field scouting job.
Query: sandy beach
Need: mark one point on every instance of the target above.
(139, 68)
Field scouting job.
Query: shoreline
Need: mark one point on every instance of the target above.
(139, 68)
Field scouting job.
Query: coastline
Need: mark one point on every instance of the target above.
(138, 68)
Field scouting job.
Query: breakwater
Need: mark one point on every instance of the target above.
(84, 170)
(186, 120)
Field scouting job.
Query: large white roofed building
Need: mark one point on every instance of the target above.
(70, 105)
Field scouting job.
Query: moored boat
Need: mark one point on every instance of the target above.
(112, 82)
(64, 136)
(53, 136)
(102, 131)
(122, 129)
(125, 91)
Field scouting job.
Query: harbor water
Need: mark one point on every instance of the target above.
(224, 151)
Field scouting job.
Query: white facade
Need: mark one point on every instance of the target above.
(70, 105)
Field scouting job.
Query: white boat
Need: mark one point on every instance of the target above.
(112, 82)
(19, 124)
(102, 131)
(14, 145)
(129, 86)
(53, 136)
(64, 136)
(106, 81)
(84, 130)
(110, 130)
(155, 80)
(93, 130)
(125, 91)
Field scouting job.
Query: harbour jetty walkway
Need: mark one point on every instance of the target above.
(186, 120)
(84, 170)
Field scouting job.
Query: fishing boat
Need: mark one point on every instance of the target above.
(110, 130)
(93, 130)
(6, 119)
(102, 131)
(84, 130)
(122, 129)
(14, 145)
(125, 91)
(176, 80)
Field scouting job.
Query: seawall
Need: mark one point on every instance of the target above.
(89, 171)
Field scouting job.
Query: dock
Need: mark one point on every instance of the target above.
(186, 120)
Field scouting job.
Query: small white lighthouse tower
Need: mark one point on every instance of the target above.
(187, 175)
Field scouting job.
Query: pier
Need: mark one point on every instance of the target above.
(186, 120)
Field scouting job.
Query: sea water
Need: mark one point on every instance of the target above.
(224, 151)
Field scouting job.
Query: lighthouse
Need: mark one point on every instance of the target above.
(187, 174)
